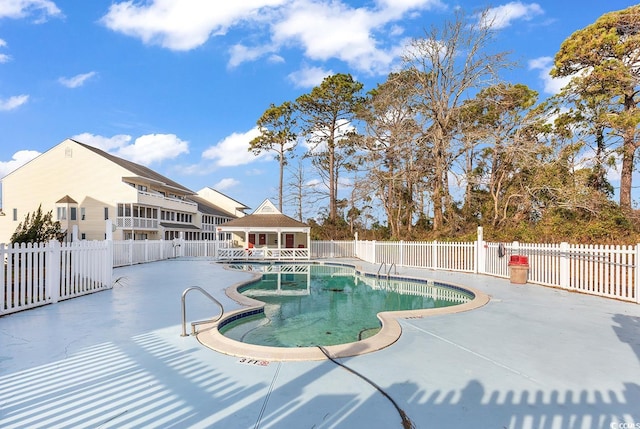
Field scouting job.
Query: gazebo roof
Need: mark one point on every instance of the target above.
(265, 216)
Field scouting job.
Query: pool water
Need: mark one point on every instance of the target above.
(309, 305)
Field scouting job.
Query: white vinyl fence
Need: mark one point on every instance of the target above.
(603, 270)
(131, 252)
(435, 255)
(40, 274)
(333, 249)
(609, 271)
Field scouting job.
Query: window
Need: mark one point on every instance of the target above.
(83, 236)
(73, 213)
(106, 213)
(62, 213)
(15, 214)
(83, 214)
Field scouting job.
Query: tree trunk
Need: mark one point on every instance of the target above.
(332, 180)
(628, 152)
(626, 173)
(281, 182)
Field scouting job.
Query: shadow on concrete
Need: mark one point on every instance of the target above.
(150, 382)
(628, 331)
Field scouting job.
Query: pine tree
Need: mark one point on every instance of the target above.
(37, 228)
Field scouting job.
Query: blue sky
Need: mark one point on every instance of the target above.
(178, 85)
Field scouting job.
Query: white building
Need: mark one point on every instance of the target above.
(85, 186)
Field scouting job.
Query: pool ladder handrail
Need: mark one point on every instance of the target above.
(384, 264)
(388, 272)
(393, 265)
(199, 322)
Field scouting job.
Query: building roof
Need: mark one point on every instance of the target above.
(178, 226)
(207, 208)
(241, 206)
(137, 169)
(66, 200)
(265, 221)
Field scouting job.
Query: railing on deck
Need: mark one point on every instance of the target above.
(263, 253)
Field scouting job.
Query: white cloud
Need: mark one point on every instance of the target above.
(502, 16)
(107, 144)
(4, 58)
(22, 8)
(226, 184)
(152, 148)
(240, 54)
(276, 59)
(351, 38)
(13, 102)
(18, 160)
(551, 85)
(402, 6)
(77, 80)
(145, 150)
(234, 150)
(322, 29)
(182, 25)
(308, 77)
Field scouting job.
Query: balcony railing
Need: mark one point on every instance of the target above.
(136, 223)
(166, 202)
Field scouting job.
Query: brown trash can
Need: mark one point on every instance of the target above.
(518, 269)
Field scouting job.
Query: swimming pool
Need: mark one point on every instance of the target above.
(307, 305)
(390, 329)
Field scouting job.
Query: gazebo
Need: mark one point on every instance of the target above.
(267, 234)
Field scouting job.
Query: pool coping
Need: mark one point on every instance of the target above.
(390, 331)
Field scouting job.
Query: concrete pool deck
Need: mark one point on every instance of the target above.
(533, 357)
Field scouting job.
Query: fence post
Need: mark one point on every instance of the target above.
(481, 253)
(53, 270)
(636, 276)
(108, 266)
(373, 252)
(434, 255)
(355, 244)
(401, 258)
(564, 265)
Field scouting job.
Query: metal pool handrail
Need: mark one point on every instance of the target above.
(384, 264)
(184, 311)
(393, 265)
